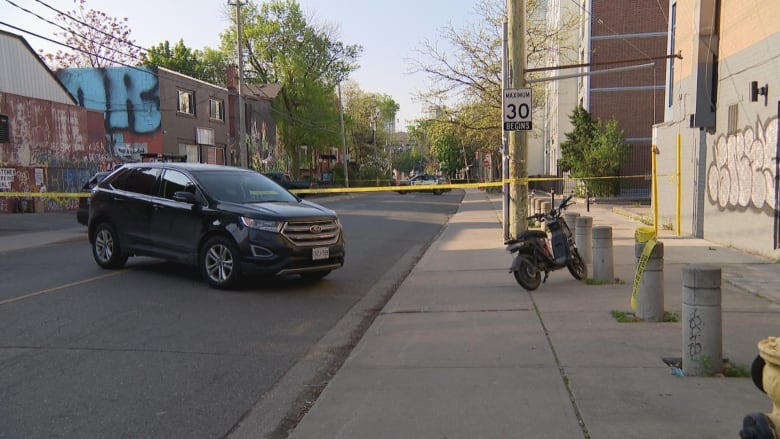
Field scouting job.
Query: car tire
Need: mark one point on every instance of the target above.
(220, 263)
(105, 247)
(315, 275)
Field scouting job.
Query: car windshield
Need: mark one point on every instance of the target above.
(242, 187)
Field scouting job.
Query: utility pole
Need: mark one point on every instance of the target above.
(241, 134)
(343, 139)
(518, 145)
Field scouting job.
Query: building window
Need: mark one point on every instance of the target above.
(733, 125)
(186, 102)
(217, 109)
(672, 28)
(5, 131)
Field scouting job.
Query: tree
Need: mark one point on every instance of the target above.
(95, 40)
(281, 46)
(468, 80)
(593, 149)
(178, 58)
(208, 65)
(365, 119)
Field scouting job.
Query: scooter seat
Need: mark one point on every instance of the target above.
(532, 234)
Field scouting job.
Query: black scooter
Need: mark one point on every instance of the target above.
(537, 253)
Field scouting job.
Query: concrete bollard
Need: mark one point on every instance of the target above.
(603, 259)
(583, 238)
(702, 344)
(537, 205)
(545, 207)
(571, 221)
(650, 291)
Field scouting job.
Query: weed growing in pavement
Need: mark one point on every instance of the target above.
(670, 317)
(591, 281)
(630, 317)
(735, 370)
(624, 316)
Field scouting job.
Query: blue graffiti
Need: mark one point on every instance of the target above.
(129, 97)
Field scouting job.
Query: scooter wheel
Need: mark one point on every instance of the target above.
(528, 276)
(576, 265)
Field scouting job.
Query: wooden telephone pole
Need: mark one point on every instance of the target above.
(518, 144)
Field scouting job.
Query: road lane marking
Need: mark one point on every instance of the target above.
(61, 287)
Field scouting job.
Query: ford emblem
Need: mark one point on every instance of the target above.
(315, 228)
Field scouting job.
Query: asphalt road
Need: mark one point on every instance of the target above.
(151, 351)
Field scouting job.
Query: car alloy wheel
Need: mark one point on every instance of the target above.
(105, 247)
(220, 265)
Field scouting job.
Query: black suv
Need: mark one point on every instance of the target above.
(225, 220)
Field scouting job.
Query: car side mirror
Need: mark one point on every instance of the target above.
(185, 197)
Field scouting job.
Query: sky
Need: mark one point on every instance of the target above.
(389, 32)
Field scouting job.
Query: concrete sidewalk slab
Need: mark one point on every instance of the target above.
(461, 351)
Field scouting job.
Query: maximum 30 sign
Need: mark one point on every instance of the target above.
(517, 109)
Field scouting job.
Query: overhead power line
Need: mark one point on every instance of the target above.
(78, 49)
(130, 43)
(85, 38)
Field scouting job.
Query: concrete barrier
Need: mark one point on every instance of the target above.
(702, 338)
(583, 238)
(603, 257)
(650, 290)
(571, 221)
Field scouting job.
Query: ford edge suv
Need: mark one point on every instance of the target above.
(225, 220)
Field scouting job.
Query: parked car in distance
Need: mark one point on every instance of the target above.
(427, 183)
(227, 221)
(285, 181)
(82, 214)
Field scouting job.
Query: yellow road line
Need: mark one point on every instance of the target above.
(61, 287)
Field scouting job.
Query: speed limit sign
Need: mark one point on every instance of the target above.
(517, 109)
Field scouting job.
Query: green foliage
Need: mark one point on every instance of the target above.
(282, 46)
(365, 118)
(591, 150)
(178, 58)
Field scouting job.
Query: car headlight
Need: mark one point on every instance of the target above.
(265, 225)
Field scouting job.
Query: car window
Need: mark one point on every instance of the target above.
(242, 187)
(175, 181)
(138, 180)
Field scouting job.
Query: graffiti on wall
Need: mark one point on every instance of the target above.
(742, 172)
(129, 98)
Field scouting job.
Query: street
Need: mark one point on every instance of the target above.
(151, 351)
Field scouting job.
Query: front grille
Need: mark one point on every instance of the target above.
(312, 233)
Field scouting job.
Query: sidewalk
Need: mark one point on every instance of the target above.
(461, 351)
(24, 230)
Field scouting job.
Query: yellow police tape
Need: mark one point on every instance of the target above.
(359, 189)
(640, 269)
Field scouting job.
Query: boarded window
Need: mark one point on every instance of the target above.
(5, 131)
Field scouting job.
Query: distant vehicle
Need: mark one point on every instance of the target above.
(148, 157)
(225, 220)
(285, 181)
(82, 214)
(427, 183)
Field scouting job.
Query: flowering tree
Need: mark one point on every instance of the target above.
(93, 39)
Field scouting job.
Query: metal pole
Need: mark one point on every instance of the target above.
(343, 138)
(504, 145)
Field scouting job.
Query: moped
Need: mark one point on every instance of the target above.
(536, 252)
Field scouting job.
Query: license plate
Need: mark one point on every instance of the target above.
(320, 253)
